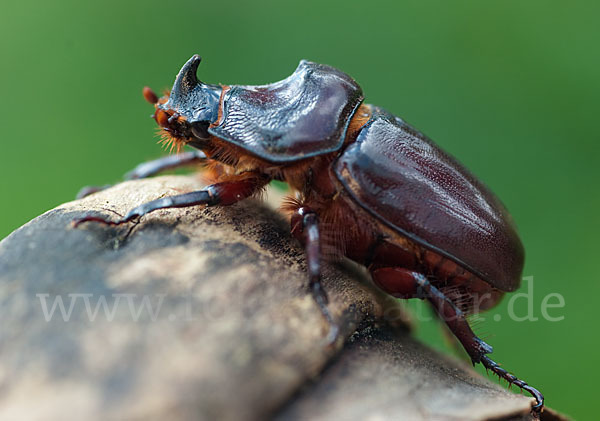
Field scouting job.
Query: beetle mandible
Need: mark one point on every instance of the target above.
(367, 186)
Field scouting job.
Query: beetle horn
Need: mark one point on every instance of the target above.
(186, 79)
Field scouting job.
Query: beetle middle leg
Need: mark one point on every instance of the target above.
(408, 284)
(150, 168)
(305, 227)
(224, 193)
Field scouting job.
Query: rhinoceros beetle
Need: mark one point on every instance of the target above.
(367, 186)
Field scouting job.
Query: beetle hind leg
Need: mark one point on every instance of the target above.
(488, 363)
(404, 283)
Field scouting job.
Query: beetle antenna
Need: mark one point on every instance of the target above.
(149, 95)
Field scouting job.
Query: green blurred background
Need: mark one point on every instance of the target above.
(509, 87)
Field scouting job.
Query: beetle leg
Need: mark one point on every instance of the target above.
(511, 379)
(407, 284)
(224, 193)
(150, 168)
(305, 226)
(87, 190)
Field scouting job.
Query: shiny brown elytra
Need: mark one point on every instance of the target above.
(367, 186)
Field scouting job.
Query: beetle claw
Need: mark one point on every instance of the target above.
(538, 407)
(99, 219)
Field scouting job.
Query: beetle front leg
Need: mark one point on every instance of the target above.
(150, 168)
(408, 284)
(224, 193)
(305, 227)
(169, 162)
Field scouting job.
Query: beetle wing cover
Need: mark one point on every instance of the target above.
(410, 184)
(304, 115)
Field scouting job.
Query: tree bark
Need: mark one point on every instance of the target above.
(204, 313)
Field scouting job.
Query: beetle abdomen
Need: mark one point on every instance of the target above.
(304, 115)
(406, 181)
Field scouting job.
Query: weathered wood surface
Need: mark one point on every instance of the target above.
(207, 317)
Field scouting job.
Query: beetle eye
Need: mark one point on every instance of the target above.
(200, 130)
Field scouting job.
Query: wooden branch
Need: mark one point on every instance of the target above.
(204, 314)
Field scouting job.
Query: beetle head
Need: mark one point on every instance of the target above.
(185, 114)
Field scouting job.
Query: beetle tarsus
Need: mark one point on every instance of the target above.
(307, 230)
(88, 190)
(99, 219)
(454, 318)
(225, 193)
(475, 347)
(150, 168)
(201, 197)
(488, 363)
(320, 297)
